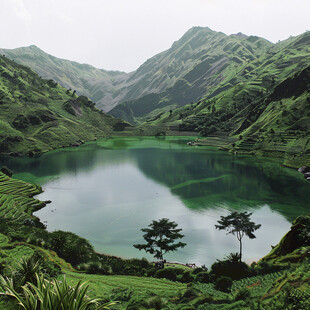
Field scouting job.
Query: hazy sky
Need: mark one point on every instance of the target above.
(122, 34)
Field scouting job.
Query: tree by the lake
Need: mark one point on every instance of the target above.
(161, 237)
(240, 225)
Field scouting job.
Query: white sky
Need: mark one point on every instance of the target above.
(122, 34)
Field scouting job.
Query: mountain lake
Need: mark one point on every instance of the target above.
(107, 190)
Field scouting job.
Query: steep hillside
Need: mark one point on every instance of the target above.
(183, 67)
(99, 85)
(201, 61)
(38, 115)
(235, 69)
(267, 111)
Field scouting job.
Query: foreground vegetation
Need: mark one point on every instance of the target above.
(278, 281)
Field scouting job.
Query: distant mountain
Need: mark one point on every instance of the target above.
(198, 50)
(243, 87)
(99, 85)
(264, 104)
(201, 61)
(38, 115)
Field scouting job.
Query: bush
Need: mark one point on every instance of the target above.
(223, 284)
(167, 273)
(203, 277)
(7, 171)
(234, 270)
(243, 294)
(155, 303)
(190, 293)
(187, 277)
(264, 268)
(95, 267)
(71, 247)
(197, 270)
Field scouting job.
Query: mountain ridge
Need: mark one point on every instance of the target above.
(109, 88)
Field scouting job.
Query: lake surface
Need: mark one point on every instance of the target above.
(106, 191)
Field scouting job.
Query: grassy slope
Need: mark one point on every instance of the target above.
(38, 115)
(200, 61)
(269, 106)
(99, 85)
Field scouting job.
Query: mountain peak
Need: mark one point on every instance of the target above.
(239, 35)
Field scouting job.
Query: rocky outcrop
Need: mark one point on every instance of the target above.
(306, 172)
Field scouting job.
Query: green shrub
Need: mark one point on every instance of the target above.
(50, 295)
(223, 284)
(197, 270)
(264, 268)
(155, 303)
(203, 277)
(296, 299)
(187, 277)
(167, 273)
(190, 293)
(71, 247)
(243, 294)
(232, 269)
(7, 171)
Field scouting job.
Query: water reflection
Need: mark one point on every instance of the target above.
(107, 190)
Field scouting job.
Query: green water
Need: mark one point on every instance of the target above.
(107, 190)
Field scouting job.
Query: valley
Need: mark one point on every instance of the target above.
(210, 126)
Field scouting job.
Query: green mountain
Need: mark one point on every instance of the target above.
(243, 88)
(201, 61)
(99, 85)
(221, 68)
(266, 112)
(181, 66)
(39, 115)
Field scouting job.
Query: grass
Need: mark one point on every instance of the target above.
(128, 290)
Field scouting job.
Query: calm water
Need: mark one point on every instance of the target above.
(106, 191)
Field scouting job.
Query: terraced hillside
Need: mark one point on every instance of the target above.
(232, 74)
(16, 202)
(39, 115)
(201, 61)
(267, 112)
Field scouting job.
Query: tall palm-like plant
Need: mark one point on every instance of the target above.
(51, 295)
(27, 270)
